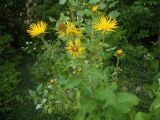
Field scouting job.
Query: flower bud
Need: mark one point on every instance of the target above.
(94, 8)
(119, 52)
(52, 81)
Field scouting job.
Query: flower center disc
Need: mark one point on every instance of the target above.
(62, 27)
(74, 49)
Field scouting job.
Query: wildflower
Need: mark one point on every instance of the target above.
(94, 8)
(105, 24)
(36, 29)
(61, 29)
(119, 52)
(72, 30)
(75, 48)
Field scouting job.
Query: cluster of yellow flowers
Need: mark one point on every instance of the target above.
(67, 28)
(103, 24)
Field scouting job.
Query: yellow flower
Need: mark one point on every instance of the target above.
(105, 24)
(61, 29)
(75, 48)
(94, 8)
(72, 30)
(35, 29)
(119, 52)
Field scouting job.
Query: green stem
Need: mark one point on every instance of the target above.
(43, 40)
(117, 68)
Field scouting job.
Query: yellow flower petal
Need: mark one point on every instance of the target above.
(105, 24)
(94, 8)
(74, 48)
(35, 29)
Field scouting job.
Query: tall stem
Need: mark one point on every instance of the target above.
(43, 39)
(117, 68)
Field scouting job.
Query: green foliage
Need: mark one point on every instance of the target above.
(142, 22)
(93, 87)
(80, 86)
(9, 76)
(9, 79)
(141, 62)
(49, 63)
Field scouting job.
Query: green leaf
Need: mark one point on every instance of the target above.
(39, 88)
(45, 92)
(80, 116)
(88, 105)
(87, 12)
(62, 2)
(106, 95)
(61, 80)
(114, 85)
(49, 110)
(142, 116)
(114, 14)
(125, 101)
(64, 18)
(113, 4)
(38, 106)
(94, 1)
(73, 83)
(102, 5)
(52, 19)
(32, 93)
(155, 106)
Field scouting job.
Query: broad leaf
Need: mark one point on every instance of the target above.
(88, 105)
(142, 116)
(125, 101)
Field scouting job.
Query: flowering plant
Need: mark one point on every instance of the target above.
(82, 86)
